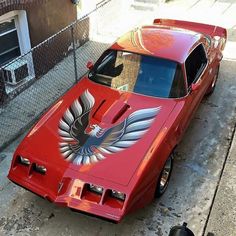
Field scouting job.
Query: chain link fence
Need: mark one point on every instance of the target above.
(33, 82)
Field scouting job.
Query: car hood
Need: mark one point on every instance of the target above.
(97, 131)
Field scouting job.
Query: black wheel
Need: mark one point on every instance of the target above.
(164, 177)
(213, 84)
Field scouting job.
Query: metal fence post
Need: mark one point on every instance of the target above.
(2, 88)
(74, 53)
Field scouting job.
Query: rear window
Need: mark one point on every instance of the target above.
(139, 74)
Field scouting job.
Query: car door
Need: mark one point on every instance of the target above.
(197, 80)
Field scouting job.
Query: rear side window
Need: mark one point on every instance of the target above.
(178, 89)
(195, 64)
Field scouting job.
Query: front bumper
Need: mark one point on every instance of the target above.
(72, 193)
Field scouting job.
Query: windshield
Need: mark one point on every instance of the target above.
(141, 74)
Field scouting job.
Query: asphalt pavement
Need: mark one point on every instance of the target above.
(202, 190)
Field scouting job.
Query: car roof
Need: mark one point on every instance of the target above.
(159, 41)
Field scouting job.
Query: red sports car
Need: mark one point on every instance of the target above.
(106, 147)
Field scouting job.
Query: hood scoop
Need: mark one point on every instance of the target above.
(97, 115)
(120, 113)
(110, 113)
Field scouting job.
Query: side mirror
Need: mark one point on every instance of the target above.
(195, 86)
(90, 65)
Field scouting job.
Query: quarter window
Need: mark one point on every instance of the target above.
(195, 64)
(178, 86)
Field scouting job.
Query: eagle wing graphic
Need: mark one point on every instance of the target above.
(79, 147)
(73, 124)
(120, 137)
(129, 131)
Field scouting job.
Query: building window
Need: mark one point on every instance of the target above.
(16, 59)
(9, 42)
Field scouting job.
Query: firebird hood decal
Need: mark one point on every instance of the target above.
(83, 148)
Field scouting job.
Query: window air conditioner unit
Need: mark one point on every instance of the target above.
(16, 72)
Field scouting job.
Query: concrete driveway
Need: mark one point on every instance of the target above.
(198, 170)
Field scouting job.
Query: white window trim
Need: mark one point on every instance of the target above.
(22, 28)
(21, 23)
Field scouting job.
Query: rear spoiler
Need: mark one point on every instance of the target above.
(210, 30)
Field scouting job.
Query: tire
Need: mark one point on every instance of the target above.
(213, 84)
(164, 178)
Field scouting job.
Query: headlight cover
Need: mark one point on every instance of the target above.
(95, 189)
(119, 195)
(40, 169)
(24, 161)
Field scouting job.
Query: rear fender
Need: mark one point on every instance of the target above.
(216, 32)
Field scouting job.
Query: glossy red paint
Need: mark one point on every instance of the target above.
(135, 170)
(169, 42)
